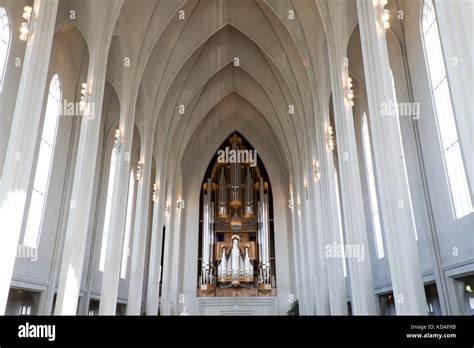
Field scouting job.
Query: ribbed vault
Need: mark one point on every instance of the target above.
(177, 58)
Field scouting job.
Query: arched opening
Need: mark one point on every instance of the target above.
(236, 255)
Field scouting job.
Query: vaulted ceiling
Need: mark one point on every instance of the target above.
(182, 53)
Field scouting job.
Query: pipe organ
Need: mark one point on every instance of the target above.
(235, 232)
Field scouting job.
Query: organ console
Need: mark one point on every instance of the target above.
(235, 231)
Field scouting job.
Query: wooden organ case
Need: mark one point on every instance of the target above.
(236, 238)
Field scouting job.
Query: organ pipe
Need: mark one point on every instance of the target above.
(235, 257)
(222, 203)
(260, 239)
(235, 168)
(259, 234)
(248, 210)
(264, 236)
(211, 239)
(206, 234)
(267, 239)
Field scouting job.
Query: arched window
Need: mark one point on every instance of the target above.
(5, 39)
(43, 165)
(374, 205)
(443, 107)
(108, 210)
(128, 226)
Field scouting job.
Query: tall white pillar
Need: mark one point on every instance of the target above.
(174, 247)
(113, 256)
(303, 283)
(311, 256)
(318, 288)
(321, 287)
(399, 226)
(22, 142)
(137, 267)
(296, 247)
(104, 19)
(81, 197)
(307, 252)
(363, 300)
(168, 265)
(336, 280)
(155, 250)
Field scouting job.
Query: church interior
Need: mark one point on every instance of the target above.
(236, 157)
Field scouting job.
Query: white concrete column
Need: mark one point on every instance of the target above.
(309, 243)
(399, 226)
(175, 249)
(310, 278)
(307, 221)
(113, 258)
(334, 287)
(170, 298)
(24, 133)
(307, 307)
(297, 286)
(81, 197)
(315, 228)
(336, 280)
(103, 19)
(301, 247)
(155, 250)
(137, 267)
(363, 300)
(321, 287)
(168, 265)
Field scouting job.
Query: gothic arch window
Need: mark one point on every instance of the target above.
(444, 111)
(44, 164)
(374, 205)
(5, 40)
(108, 210)
(128, 225)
